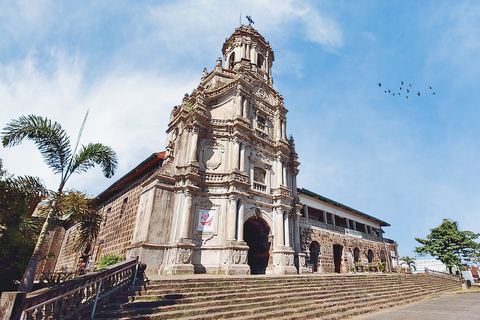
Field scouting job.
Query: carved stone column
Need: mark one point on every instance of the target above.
(187, 216)
(296, 229)
(241, 215)
(286, 229)
(236, 153)
(245, 107)
(193, 145)
(231, 220)
(242, 157)
(279, 234)
(279, 172)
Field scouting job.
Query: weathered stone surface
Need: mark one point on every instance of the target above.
(225, 200)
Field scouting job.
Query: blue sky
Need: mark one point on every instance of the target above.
(410, 162)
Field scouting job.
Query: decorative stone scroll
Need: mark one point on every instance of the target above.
(180, 255)
(234, 256)
(289, 259)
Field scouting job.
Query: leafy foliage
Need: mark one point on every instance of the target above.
(77, 207)
(409, 261)
(381, 266)
(109, 260)
(18, 230)
(450, 245)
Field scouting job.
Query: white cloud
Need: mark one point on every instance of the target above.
(322, 30)
(128, 111)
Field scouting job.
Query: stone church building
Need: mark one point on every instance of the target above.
(223, 197)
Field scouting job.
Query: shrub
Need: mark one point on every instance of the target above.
(381, 266)
(108, 260)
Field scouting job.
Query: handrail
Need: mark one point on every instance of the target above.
(77, 294)
(442, 274)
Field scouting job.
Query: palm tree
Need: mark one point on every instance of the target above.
(54, 145)
(409, 261)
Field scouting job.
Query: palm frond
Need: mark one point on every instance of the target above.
(50, 139)
(95, 153)
(82, 210)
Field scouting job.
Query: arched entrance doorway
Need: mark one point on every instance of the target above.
(337, 257)
(314, 252)
(255, 234)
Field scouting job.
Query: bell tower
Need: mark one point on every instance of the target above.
(225, 200)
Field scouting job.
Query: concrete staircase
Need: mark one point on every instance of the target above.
(268, 297)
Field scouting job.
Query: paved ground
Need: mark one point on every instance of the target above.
(462, 306)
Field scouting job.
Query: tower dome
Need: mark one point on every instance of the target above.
(247, 48)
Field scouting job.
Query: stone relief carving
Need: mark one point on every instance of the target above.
(259, 91)
(277, 260)
(289, 259)
(212, 155)
(185, 255)
(236, 257)
(243, 257)
(173, 254)
(302, 261)
(225, 256)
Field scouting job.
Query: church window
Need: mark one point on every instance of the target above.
(232, 60)
(260, 61)
(330, 218)
(259, 175)
(261, 122)
(124, 207)
(106, 216)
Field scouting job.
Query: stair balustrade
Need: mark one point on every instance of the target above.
(76, 295)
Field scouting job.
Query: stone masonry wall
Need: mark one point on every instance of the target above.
(52, 244)
(67, 257)
(327, 240)
(118, 223)
(117, 226)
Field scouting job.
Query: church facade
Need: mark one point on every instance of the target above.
(223, 197)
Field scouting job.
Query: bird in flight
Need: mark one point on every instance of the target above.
(379, 84)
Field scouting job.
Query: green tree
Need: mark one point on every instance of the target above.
(18, 230)
(54, 145)
(409, 261)
(450, 245)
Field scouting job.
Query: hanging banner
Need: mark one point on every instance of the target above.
(206, 219)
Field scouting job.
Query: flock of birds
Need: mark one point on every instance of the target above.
(406, 89)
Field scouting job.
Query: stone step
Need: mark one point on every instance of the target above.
(273, 300)
(274, 310)
(244, 285)
(182, 293)
(180, 298)
(257, 298)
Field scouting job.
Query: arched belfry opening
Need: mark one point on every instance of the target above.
(256, 234)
